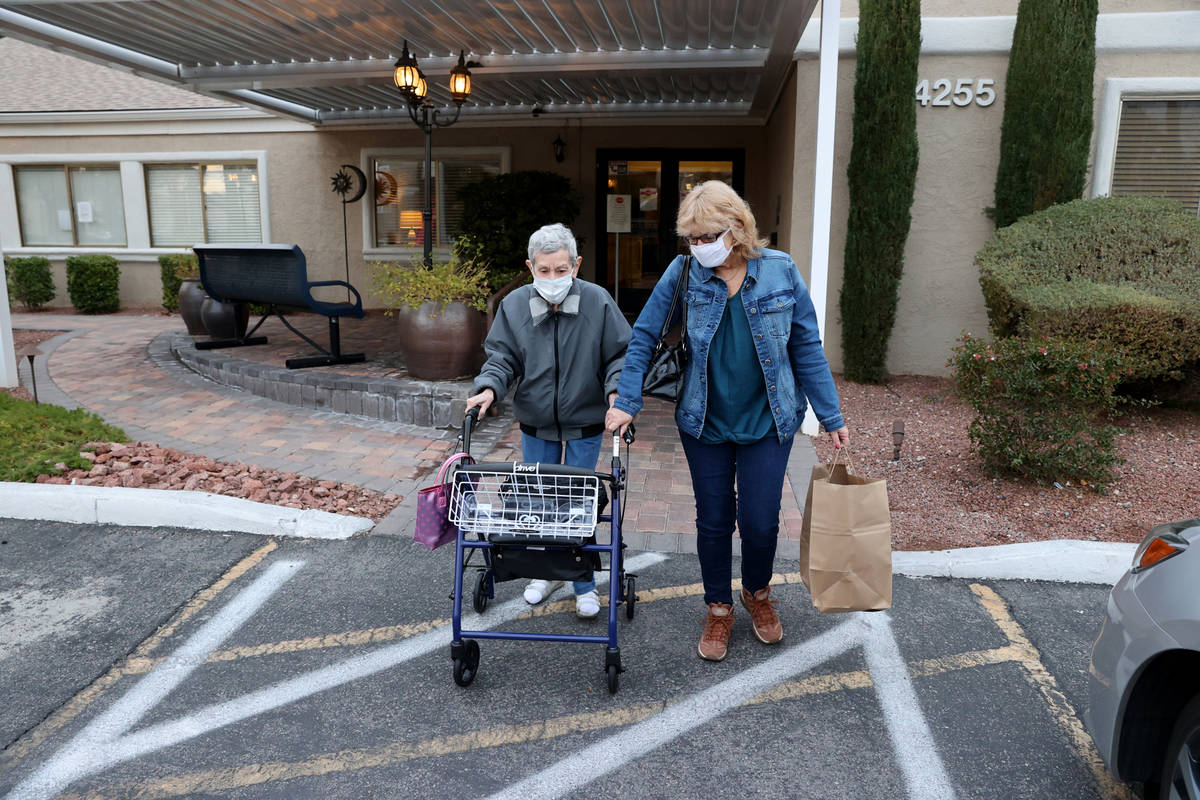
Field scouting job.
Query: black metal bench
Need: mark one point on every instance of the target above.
(274, 275)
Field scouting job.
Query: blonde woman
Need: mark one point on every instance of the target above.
(756, 362)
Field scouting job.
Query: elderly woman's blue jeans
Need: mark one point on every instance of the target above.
(742, 484)
(573, 453)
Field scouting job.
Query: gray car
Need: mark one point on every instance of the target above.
(1144, 679)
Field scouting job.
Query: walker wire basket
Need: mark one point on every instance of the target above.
(519, 500)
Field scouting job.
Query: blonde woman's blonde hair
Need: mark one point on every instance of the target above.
(712, 207)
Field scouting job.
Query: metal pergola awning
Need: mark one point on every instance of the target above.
(330, 63)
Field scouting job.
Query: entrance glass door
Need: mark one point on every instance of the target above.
(639, 193)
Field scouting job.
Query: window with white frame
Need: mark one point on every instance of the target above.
(195, 203)
(72, 205)
(399, 183)
(1158, 149)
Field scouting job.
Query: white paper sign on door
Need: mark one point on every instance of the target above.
(618, 213)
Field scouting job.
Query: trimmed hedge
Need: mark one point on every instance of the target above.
(1117, 272)
(30, 281)
(93, 283)
(1043, 408)
(173, 268)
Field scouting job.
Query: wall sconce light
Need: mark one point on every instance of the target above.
(897, 438)
(560, 149)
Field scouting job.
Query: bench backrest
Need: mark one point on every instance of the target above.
(259, 273)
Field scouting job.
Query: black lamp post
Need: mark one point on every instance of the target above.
(411, 82)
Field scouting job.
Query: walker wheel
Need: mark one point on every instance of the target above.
(630, 596)
(479, 600)
(614, 680)
(467, 667)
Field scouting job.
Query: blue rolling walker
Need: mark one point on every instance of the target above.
(533, 520)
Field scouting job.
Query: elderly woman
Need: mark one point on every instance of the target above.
(755, 359)
(560, 343)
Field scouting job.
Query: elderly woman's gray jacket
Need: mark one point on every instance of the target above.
(563, 364)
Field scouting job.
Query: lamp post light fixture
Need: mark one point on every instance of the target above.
(411, 82)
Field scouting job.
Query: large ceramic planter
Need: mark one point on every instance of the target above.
(439, 342)
(191, 298)
(224, 320)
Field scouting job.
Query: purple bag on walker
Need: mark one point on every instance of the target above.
(433, 527)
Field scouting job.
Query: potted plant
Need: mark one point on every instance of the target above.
(180, 275)
(439, 312)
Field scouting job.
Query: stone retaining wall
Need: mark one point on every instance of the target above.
(427, 403)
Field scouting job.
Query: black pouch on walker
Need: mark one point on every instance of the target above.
(550, 562)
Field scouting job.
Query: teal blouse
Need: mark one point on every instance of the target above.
(737, 394)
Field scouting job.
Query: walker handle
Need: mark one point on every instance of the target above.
(472, 417)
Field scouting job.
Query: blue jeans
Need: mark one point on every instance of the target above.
(757, 469)
(579, 453)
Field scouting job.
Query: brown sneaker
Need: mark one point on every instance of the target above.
(718, 624)
(767, 626)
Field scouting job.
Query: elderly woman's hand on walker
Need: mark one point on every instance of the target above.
(617, 420)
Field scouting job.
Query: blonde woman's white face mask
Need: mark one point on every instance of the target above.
(713, 254)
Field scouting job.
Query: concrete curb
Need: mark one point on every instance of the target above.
(1060, 560)
(180, 509)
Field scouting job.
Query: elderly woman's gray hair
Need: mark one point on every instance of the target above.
(551, 239)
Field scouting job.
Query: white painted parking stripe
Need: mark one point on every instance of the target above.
(619, 749)
(915, 750)
(92, 748)
(91, 758)
(912, 740)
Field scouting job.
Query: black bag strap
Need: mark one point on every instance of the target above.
(680, 288)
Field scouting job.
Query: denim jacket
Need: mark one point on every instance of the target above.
(782, 321)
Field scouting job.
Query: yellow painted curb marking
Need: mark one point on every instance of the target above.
(1060, 708)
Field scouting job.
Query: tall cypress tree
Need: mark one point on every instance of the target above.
(1047, 128)
(882, 175)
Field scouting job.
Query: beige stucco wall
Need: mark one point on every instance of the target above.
(303, 210)
(780, 158)
(959, 154)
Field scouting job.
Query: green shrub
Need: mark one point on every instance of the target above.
(410, 285)
(882, 176)
(1045, 136)
(501, 212)
(29, 281)
(93, 283)
(1116, 271)
(1043, 407)
(33, 438)
(173, 268)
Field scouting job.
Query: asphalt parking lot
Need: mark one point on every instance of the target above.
(186, 664)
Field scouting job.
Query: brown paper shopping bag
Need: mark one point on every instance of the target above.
(846, 541)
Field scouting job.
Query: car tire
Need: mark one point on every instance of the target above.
(1180, 776)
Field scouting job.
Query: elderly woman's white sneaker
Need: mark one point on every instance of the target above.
(538, 590)
(587, 605)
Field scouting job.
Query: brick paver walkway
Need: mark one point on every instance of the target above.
(104, 363)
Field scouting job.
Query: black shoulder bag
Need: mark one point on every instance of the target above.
(664, 375)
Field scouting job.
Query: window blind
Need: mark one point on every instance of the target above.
(44, 206)
(231, 208)
(98, 205)
(1158, 150)
(176, 207)
(400, 198)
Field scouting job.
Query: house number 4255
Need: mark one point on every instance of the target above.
(962, 92)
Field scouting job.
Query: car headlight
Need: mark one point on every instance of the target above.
(1157, 547)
